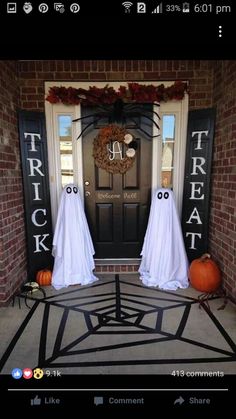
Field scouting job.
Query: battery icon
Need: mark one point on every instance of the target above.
(186, 8)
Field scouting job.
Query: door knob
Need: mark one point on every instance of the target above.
(86, 183)
(87, 193)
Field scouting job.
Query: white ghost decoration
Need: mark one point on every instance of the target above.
(164, 260)
(72, 244)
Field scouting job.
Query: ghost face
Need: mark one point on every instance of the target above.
(163, 195)
(70, 189)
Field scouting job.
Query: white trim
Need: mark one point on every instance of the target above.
(54, 162)
(78, 155)
(100, 84)
(156, 152)
(51, 159)
(182, 149)
(179, 108)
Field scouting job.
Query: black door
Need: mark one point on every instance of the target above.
(117, 205)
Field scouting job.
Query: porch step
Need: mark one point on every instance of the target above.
(117, 265)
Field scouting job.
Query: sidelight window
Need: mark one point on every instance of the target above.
(66, 156)
(168, 144)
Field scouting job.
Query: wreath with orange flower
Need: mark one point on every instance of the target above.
(103, 151)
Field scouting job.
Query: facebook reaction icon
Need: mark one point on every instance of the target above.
(16, 373)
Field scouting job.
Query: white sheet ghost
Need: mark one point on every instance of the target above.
(72, 244)
(164, 260)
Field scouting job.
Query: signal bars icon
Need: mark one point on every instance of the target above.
(158, 9)
(127, 5)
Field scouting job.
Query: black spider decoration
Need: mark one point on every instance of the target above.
(118, 113)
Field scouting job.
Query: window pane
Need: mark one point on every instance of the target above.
(168, 141)
(65, 138)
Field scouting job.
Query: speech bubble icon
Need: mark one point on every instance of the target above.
(98, 400)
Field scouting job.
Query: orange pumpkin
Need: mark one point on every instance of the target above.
(44, 277)
(204, 274)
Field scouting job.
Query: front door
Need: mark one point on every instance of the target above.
(117, 205)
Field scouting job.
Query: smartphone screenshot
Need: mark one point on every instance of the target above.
(118, 206)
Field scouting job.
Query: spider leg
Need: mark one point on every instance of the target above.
(142, 111)
(84, 117)
(131, 114)
(103, 113)
(87, 126)
(135, 104)
(145, 132)
(103, 109)
(129, 105)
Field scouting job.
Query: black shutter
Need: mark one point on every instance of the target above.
(33, 145)
(196, 195)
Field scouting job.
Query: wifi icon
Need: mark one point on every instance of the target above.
(127, 5)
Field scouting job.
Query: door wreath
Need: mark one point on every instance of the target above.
(104, 150)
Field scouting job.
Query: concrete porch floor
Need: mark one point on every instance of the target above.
(118, 326)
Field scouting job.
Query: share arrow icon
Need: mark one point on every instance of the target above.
(180, 400)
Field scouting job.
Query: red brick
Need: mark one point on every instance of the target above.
(128, 65)
(223, 227)
(80, 66)
(151, 75)
(67, 65)
(27, 75)
(101, 65)
(108, 65)
(162, 65)
(87, 66)
(185, 75)
(114, 65)
(116, 75)
(142, 65)
(212, 83)
(135, 65)
(74, 65)
(94, 66)
(79, 75)
(62, 75)
(13, 258)
(29, 90)
(98, 76)
(169, 75)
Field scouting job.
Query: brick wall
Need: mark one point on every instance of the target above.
(210, 83)
(33, 74)
(12, 236)
(223, 197)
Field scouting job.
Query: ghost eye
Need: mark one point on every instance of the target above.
(75, 189)
(159, 195)
(68, 189)
(166, 195)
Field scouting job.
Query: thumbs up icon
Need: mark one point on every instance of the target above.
(36, 401)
